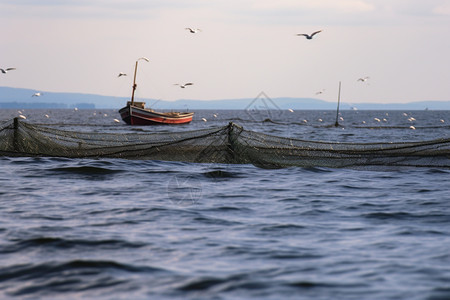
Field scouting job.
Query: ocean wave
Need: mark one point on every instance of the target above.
(221, 174)
(429, 217)
(282, 227)
(49, 243)
(83, 170)
(68, 277)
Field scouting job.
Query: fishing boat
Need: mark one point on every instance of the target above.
(135, 113)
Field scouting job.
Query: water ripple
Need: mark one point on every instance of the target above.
(61, 243)
(69, 276)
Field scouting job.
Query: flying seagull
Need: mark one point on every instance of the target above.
(36, 95)
(184, 85)
(193, 30)
(121, 74)
(309, 36)
(4, 71)
(320, 92)
(363, 79)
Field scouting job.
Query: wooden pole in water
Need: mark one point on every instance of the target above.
(337, 111)
(16, 134)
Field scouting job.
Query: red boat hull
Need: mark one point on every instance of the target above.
(133, 115)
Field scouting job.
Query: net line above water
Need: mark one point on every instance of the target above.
(230, 144)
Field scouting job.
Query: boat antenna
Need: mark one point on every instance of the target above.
(337, 110)
(134, 80)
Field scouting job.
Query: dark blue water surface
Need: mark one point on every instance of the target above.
(130, 229)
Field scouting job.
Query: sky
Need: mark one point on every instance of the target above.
(245, 47)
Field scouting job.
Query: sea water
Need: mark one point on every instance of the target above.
(131, 229)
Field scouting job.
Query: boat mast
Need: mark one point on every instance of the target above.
(134, 80)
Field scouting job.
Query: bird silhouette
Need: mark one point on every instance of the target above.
(193, 30)
(363, 79)
(320, 92)
(4, 71)
(121, 74)
(184, 85)
(309, 36)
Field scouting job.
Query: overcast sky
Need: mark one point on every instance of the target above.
(245, 47)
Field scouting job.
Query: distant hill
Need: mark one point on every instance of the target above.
(22, 99)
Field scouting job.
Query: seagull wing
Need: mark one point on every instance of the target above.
(315, 33)
(188, 83)
(9, 69)
(306, 35)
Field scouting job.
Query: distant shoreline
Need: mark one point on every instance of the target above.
(20, 107)
(18, 98)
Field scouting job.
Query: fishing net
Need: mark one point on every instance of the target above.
(230, 144)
